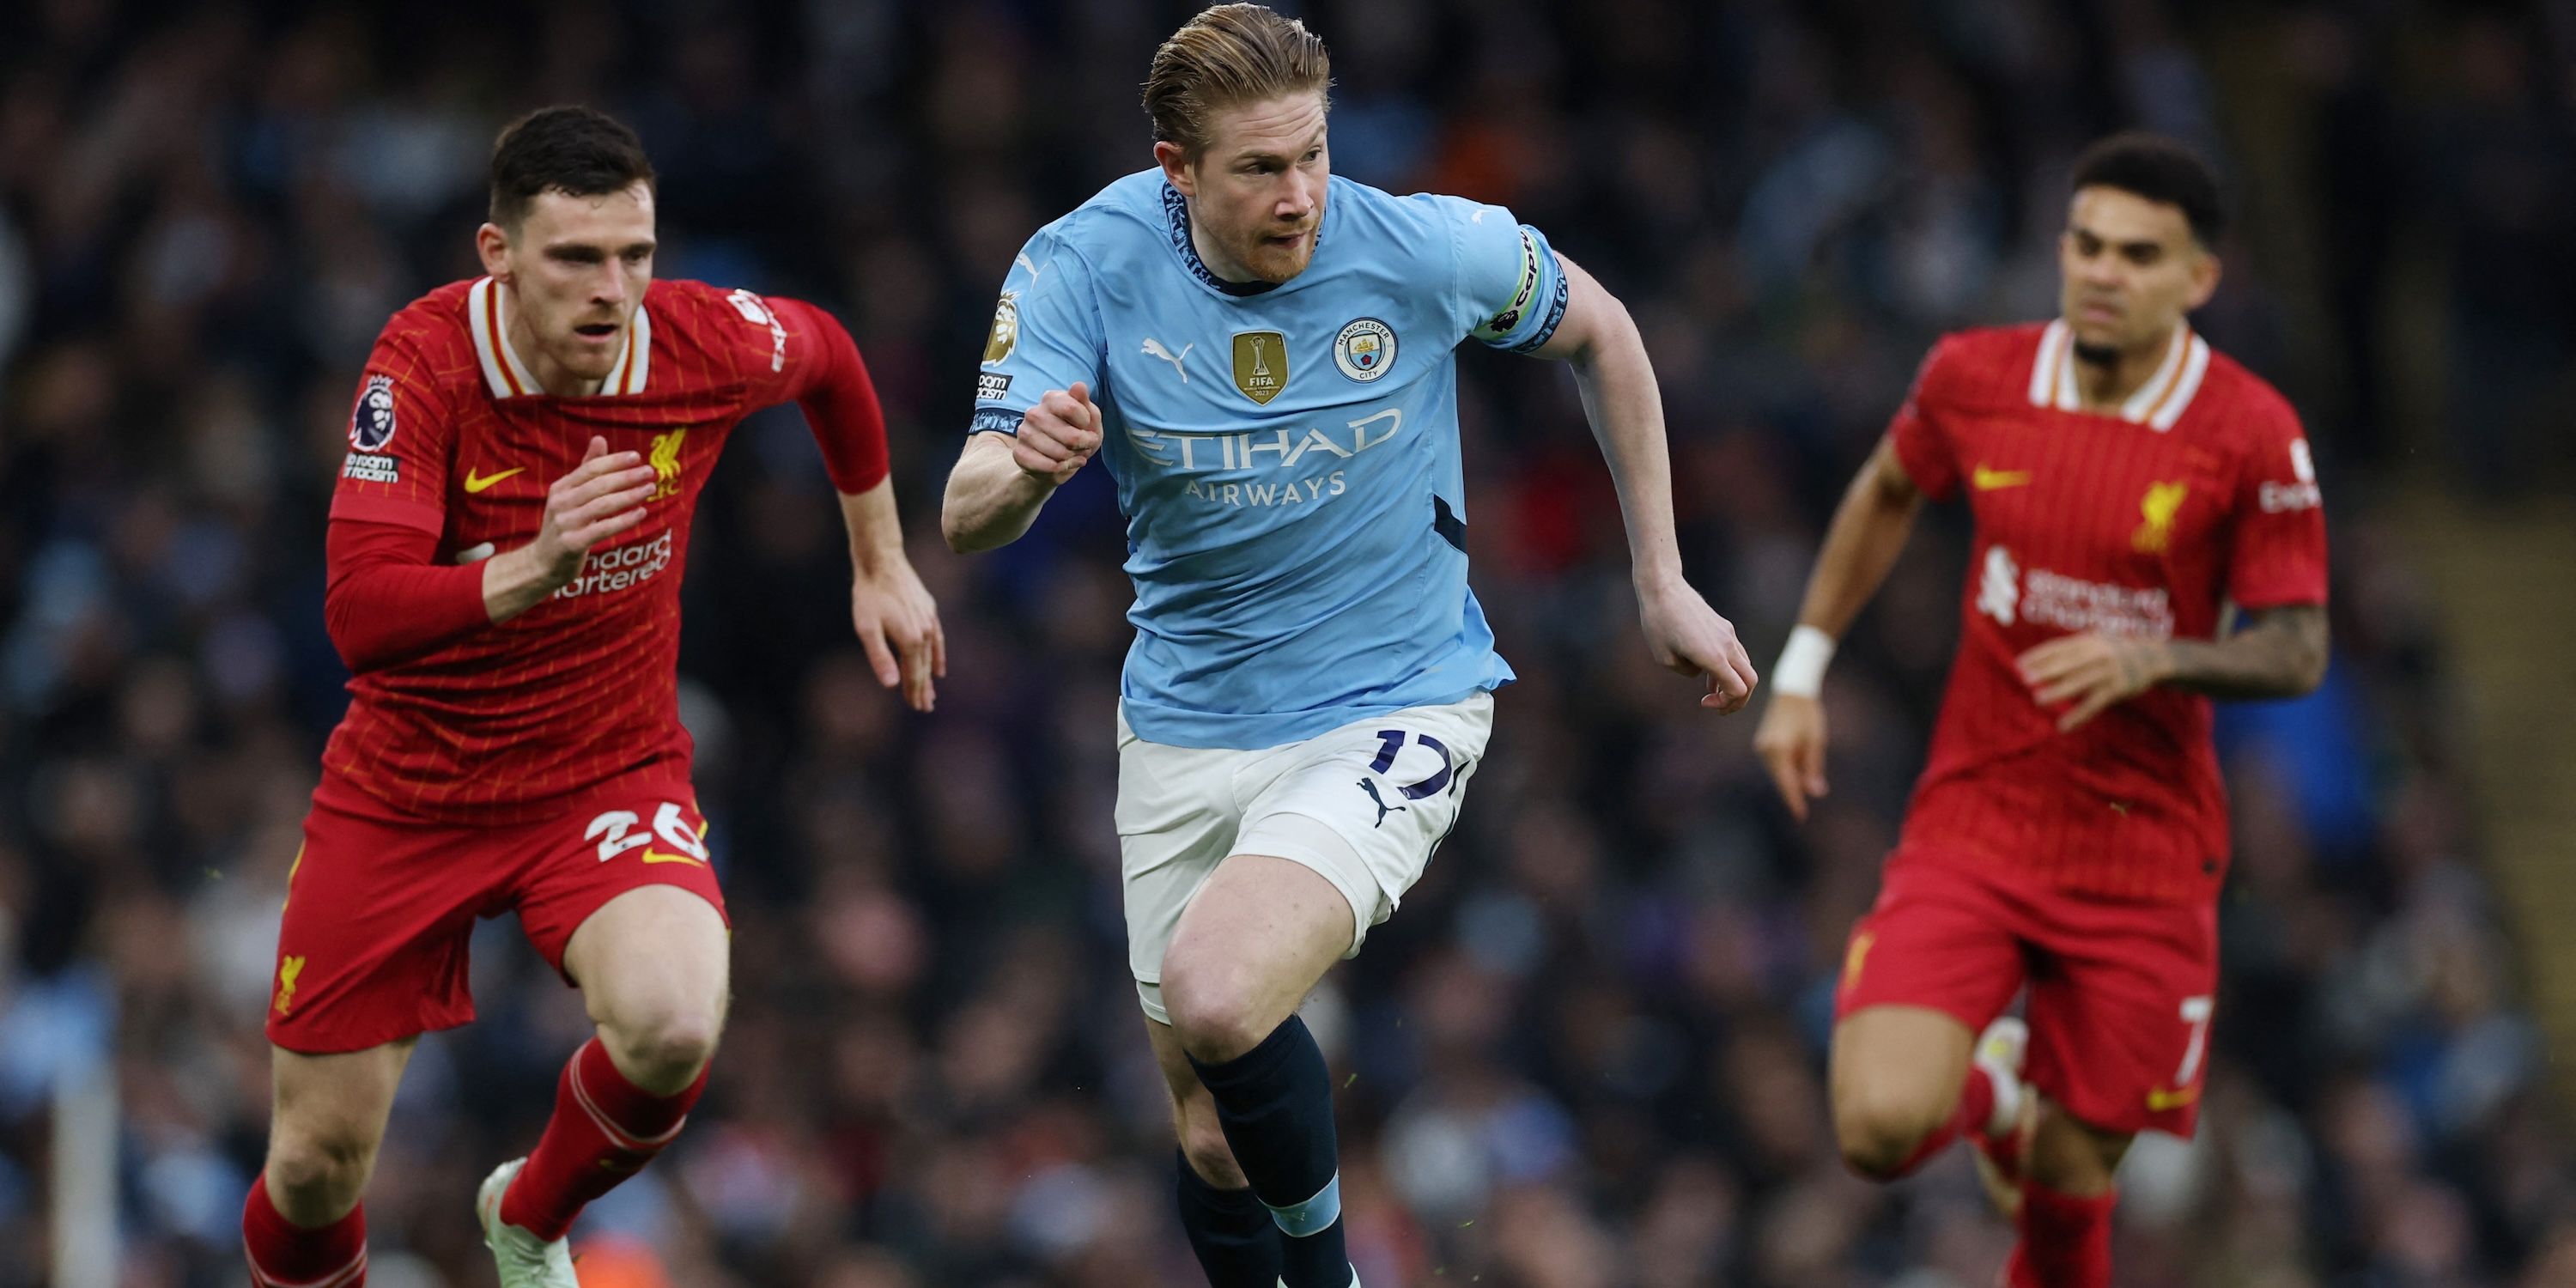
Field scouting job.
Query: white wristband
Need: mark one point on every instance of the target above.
(1801, 669)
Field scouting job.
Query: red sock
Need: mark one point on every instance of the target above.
(1976, 1104)
(604, 1129)
(286, 1255)
(2065, 1241)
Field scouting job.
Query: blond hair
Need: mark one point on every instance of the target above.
(1227, 56)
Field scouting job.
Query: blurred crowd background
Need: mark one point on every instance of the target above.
(1588, 1051)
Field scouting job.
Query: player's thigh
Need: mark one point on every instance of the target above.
(371, 947)
(621, 897)
(2120, 1019)
(330, 1110)
(655, 956)
(1366, 806)
(1935, 960)
(1177, 817)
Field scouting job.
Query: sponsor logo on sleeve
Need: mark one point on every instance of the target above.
(369, 467)
(755, 310)
(1989, 479)
(990, 385)
(1365, 349)
(371, 427)
(1260, 364)
(2281, 498)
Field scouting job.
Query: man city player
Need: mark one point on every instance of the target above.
(1266, 358)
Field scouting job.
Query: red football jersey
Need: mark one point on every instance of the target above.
(452, 436)
(2138, 524)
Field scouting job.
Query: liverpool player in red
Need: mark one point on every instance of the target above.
(505, 551)
(2070, 832)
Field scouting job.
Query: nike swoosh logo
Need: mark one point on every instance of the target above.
(2160, 1100)
(656, 856)
(1987, 480)
(478, 482)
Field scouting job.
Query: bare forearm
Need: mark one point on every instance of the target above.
(1868, 532)
(876, 531)
(2280, 653)
(991, 501)
(515, 581)
(1626, 410)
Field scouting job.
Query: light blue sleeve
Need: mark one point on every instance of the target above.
(1045, 334)
(1511, 290)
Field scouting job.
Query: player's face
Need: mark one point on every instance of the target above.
(2130, 269)
(1257, 191)
(577, 268)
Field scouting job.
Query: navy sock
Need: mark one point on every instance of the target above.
(1231, 1232)
(1276, 1105)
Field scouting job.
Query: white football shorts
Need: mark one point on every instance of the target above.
(1364, 805)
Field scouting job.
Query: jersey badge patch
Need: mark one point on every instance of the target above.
(1365, 349)
(372, 426)
(1260, 364)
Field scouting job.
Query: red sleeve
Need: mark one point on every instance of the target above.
(386, 601)
(1923, 444)
(399, 432)
(817, 367)
(2279, 556)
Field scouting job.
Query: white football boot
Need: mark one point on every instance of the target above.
(524, 1260)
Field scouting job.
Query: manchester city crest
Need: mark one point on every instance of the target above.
(1365, 349)
(372, 425)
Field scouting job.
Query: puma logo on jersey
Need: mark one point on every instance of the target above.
(475, 482)
(1154, 349)
(1987, 479)
(1369, 785)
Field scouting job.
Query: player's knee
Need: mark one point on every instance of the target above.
(1878, 1132)
(1213, 1010)
(1204, 1142)
(663, 1049)
(316, 1176)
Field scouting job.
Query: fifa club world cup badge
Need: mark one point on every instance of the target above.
(1365, 349)
(1260, 364)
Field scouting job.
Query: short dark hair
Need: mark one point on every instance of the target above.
(2158, 169)
(571, 150)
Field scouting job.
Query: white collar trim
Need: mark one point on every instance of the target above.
(487, 316)
(2158, 404)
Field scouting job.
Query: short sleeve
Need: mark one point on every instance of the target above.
(1919, 433)
(1511, 290)
(2279, 554)
(400, 432)
(1045, 334)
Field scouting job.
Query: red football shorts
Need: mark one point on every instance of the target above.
(379, 908)
(2120, 990)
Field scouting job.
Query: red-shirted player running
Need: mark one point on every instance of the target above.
(513, 738)
(2070, 832)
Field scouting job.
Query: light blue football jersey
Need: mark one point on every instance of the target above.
(1286, 457)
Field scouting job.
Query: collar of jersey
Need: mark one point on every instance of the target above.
(1177, 209)
(487, 316)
